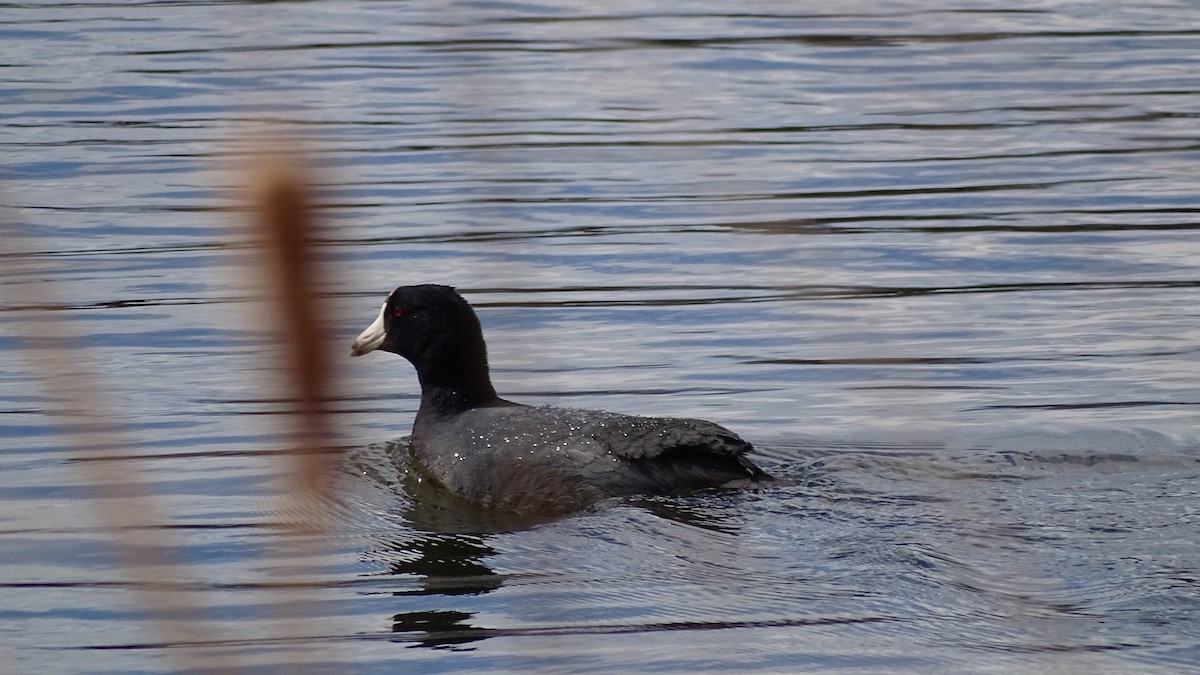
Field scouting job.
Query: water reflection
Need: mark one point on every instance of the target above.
(448, 565)
(440, 629)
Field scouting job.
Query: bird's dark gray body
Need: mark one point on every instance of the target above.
(547, 459)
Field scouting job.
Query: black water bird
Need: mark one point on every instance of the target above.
(537, 460)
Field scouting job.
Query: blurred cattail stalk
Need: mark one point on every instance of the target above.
(289, 229)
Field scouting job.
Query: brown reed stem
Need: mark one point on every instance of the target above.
(289, 226)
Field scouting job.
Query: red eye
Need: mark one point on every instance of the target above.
(398, 312)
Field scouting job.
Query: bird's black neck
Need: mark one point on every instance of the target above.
(454, 380)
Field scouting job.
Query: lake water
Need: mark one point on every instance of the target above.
(939, 262)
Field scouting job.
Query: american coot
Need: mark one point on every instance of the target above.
(537, 460)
